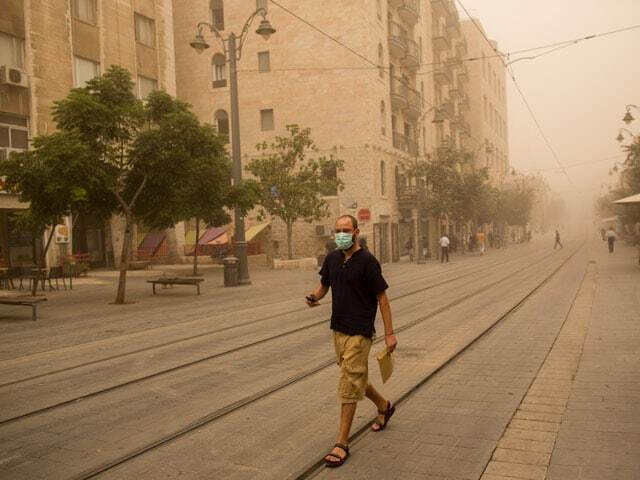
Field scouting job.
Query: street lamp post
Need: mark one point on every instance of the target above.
(628, 118)
(232, 47)
(620, 137)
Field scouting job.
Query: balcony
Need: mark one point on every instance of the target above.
(453, 25)
(397, 40)
(408, 10)
(464, 101)
(442, 8)
(411, 60)
(463, 73)
(447, 109)
(414, 104)
(455, 93)
(442, 76)
(441, 43)
(461, 48)
(399, 94)
(405, 144)
(407, 196)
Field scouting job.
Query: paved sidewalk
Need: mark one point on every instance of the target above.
(599, 437)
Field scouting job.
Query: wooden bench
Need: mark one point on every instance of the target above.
(24, 301)
(195, 281)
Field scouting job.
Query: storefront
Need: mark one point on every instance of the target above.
(18, 247)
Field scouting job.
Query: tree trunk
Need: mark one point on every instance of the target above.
(124, 259)
(289, 235)
(41, 262)
(195, 252)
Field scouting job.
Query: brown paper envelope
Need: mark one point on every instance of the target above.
(385, 362)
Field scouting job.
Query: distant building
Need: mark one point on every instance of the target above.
(48, 47)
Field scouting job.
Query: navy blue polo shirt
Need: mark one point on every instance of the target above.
(355, 284)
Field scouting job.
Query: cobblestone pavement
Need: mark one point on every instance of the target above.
(508, 407)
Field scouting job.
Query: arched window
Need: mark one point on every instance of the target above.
(383, 117)
(221, 122)
(216, 8)
(381, 60)
(383, 179)
(219, 70)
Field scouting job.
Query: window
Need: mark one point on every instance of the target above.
(329, 172)
(145, 30)
(383, 118)
(380, 60)
(266, 120)
(221, 122)
(85, 10)
(146, 86)
(383, 179)
(11, 50)
(264, 61)
(19, 139)
(219, 66)
(83, 71)
(216, 8)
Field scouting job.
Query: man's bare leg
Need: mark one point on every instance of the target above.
(347, 413)
(379, 401)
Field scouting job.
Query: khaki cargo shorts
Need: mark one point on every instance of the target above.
(353, 357)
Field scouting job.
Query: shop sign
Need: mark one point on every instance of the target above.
(62, 234)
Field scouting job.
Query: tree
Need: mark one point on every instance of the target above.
(290, 185)
(201, 187)
(55, 179)
(138, 158)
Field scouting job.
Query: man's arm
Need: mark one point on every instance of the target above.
(385, 309)
(318, 293)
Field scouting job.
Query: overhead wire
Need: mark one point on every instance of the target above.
(522, 95)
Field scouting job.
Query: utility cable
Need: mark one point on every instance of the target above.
(524, 99)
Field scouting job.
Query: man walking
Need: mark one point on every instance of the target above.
(444, 247)
(481, 241)
(357, 288)
(611, 236)
(558, 242)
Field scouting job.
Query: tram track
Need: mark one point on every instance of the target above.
(182, 366)
(174, 342)
(255, 397)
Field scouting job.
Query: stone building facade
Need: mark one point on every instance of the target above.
(375, 114)
(488, 97)
(55, 45)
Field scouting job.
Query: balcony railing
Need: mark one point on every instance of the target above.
(441, 43)
(405, 144)
(408, 10)
(411, 59)
(397, 40)
(442, 76)
(414, 103)
(399, 93)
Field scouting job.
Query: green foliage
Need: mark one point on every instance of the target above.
(291, 185)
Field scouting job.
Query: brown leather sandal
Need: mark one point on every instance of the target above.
(388, 413)
(339, 461)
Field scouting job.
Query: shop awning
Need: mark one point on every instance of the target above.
(632, 200)
(211, 234)
(12, 202)
(254, 231)
(152, 241)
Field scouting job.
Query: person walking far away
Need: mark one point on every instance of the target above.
(357, 288)
(481, 241)
(444, 247)
(558, 242)
(611, 238)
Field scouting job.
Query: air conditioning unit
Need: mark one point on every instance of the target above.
(13, 76)
(323, 231)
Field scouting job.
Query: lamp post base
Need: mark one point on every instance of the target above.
(243, 263)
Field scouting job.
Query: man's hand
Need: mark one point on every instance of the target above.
(391, 341)
(312, 300)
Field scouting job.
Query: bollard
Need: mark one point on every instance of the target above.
(230, 271)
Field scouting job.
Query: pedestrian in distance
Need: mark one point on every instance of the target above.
(444, 247)
(480, 238)
(611, 236)
(357, 289)
(558, 242)
(472, 242)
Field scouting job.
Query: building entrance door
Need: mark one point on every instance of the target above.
(395, 242)
(381, 241)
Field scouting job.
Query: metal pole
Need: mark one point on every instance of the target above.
(421, 259)
(239, 240)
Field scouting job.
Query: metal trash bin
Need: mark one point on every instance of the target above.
(230, 271)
